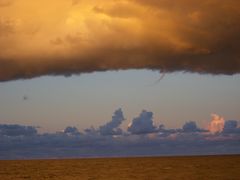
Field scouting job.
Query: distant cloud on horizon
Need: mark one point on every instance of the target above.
(142, 124)
(17, 130)
(216, 124)
(142, 139)
(112, 127)
(73, 37)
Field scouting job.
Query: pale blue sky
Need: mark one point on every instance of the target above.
(90, 99)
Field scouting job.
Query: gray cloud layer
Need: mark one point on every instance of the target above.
(21, 142)
(17, 130)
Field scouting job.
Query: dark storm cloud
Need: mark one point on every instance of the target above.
(184, 35)
(142, 124)
(17, 130)
(112, 127)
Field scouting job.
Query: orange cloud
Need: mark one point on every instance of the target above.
(217, 124)
(64, 37)
(4, 3)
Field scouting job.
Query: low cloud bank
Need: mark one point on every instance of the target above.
(17, 130)
(142, 138)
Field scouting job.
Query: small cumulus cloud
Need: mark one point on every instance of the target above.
(231, 127)
(112, 127)
(191, 126)
(142, 124)
(217, 124)
(71, 131)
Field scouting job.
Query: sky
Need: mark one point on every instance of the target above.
(90, 99)
(124, 72)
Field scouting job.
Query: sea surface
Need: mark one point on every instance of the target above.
(146, 168)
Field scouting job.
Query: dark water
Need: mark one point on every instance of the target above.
(150, 168)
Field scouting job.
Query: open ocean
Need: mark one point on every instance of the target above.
(146, 168)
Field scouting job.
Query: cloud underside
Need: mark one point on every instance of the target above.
(85, 36)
